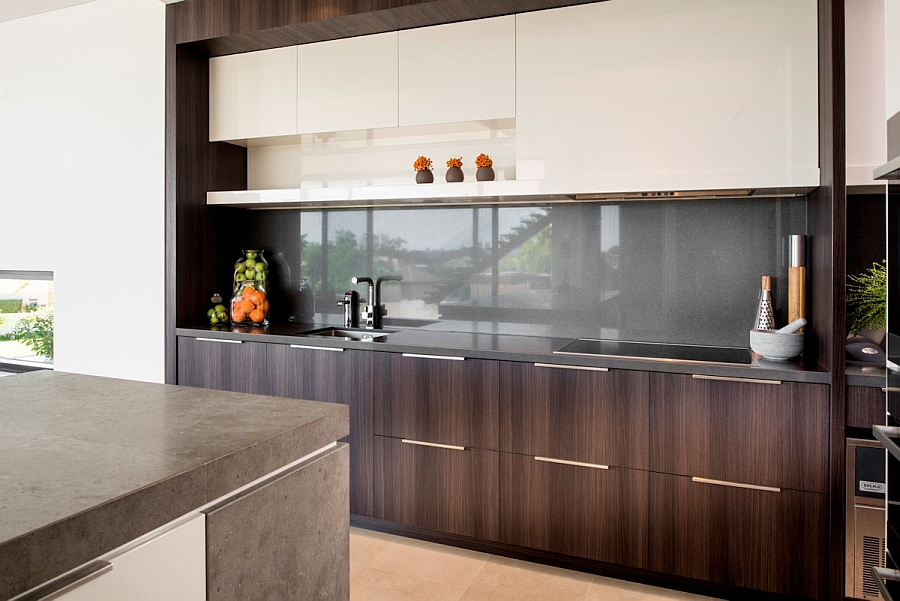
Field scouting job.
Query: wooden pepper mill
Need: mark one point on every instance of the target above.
(797, 279)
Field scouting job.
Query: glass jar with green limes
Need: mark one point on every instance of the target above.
(218, 313)
(251, 267)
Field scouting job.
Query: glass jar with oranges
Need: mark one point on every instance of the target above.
(250, 304)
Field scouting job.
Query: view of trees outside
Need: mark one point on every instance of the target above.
(26, 320)
(444, 255)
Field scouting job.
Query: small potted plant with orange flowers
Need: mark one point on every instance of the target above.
(485, 166)
(423, 169)
(454, 171)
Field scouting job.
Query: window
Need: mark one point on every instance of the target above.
(26, 320)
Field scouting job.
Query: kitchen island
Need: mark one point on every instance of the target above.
(92, 469)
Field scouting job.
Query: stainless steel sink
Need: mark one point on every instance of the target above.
(351, 334)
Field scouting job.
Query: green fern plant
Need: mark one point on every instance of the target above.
(867, 298)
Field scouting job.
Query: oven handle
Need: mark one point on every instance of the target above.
(884, 435)
(882, 574)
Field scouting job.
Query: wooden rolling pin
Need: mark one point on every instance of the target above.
(797, 279)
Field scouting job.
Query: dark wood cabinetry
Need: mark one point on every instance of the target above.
(580, 511)
(760, 539)
(443, 489)
(576, 414)
(234, 365)
(865, 407)
(437, 400)
(333, 376)
(757, 433)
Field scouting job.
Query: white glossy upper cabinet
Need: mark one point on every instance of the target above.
(694, 92)
(253, 95)
(348, 84)
(458, 72)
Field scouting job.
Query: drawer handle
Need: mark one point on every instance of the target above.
(578, 367)
(436, 445)
(731, 379)
(882, 574)
(595, 466)
(66, 583)
(735, 484)
(222, 340)
(334, 349)
(444, 357)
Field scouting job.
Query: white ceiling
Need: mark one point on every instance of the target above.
(16, 9)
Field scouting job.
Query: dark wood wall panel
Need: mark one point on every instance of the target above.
(193, 167)
(230, 26)
(827, 219)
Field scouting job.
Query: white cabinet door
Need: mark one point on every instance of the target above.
(348, 84)
(253, 95)
(170, 566)
(458, 72)
(645, 87)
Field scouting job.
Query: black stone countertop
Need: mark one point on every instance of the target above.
(870, 376)
(480, 342)
(88, 464)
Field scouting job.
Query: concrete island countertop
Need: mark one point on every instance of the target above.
(88, 464)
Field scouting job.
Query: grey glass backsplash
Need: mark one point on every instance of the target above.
(670, 271)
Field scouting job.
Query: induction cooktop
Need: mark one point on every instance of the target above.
(655, 351)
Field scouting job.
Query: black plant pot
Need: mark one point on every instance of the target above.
(454, 175)
(485, 174)
(424, 177)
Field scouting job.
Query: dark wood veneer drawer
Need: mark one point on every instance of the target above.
(437, 399)
(578, 510)
(576, 414)
(451, 490)
(760, 539)
(222, 364)
(755, 433)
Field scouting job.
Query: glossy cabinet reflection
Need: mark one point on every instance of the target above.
(726, 93)
(458, 72)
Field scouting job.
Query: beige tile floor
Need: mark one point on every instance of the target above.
(384, 567)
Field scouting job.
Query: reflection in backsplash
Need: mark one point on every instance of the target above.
(669, 271)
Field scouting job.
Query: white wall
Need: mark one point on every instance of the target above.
(864, 51)
(82, 108)
(892, 56)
